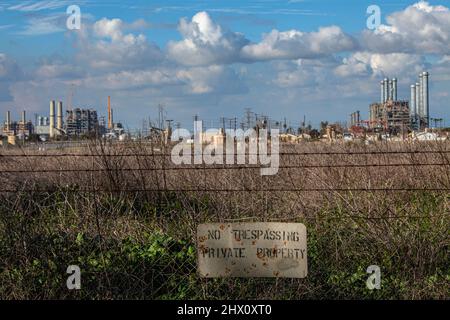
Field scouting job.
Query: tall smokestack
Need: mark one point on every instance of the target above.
(425, 98)
(390, 87)
(24, 116)
(382, 92)
(386, 89)
(109, 113)
(422, 113)
(394, 89)
(52, 119)
(8, 120)
(412, 104)
(59, 116)
(418, 114)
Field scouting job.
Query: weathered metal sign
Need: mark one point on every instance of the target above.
(252, 250)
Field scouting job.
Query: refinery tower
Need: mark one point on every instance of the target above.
(420, 102)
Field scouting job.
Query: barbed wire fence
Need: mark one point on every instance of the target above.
(156, 256)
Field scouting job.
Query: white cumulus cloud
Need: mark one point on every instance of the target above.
(295, 44)
(380, 65)
(420, 28)
(205, 42)
(112, 48)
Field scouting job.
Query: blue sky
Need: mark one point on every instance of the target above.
(215, 58)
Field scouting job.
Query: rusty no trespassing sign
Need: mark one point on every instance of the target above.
(252, 250)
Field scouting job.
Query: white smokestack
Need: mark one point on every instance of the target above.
(425, 98)
(412, 104)
(418, 114)
(394, 89)
(59, 117)
(386, 89)
(382, 92)
(52, 119)
(8, 120)
(390, 86)
(421, 112)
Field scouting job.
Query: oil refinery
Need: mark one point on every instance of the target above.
(389, 119)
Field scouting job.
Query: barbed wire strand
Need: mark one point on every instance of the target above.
(253, 154)
(225, 168)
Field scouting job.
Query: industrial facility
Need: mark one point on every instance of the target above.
(390, 114)
(394, 115)
(78, 122)
(390, 118)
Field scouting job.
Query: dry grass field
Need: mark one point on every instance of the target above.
(127, 216)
